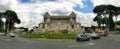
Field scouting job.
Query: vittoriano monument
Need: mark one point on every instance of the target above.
(59, 24)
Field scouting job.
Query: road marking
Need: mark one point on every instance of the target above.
(88, 44)
(91, 43)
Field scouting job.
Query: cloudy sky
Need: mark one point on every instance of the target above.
(31, 12)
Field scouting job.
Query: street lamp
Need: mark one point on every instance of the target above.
(4, 20)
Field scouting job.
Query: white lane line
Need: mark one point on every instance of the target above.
(88, 44)
(91, 43)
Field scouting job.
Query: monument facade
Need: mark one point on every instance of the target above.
(62, 24)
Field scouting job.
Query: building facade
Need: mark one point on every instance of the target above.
(65, 24)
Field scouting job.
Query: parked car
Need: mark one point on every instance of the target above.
(103, 33)
(95, 35)
(12, 34)
(82, 37)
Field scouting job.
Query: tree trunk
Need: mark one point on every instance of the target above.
(111, 24)
(115, 23)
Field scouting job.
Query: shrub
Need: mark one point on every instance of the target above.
(50, 36)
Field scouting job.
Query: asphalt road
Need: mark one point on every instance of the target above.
(109, 42)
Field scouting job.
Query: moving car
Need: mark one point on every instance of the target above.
(95, 35)
(12, 34)
(103, 33)
(82, 37)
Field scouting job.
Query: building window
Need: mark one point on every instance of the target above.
(72, 26)
(36, 27)
(43, 26)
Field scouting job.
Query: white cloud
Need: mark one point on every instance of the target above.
(74, 2)
(31, 13)
(86, 19)
(99, 2)
(4, 5)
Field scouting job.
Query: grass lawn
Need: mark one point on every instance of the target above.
(50, 36)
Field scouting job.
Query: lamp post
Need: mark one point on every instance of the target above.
(4, 20)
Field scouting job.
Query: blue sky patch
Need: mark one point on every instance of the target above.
(88, 7)
(48, 0)
(24, 1)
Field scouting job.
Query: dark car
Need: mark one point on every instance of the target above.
(95, 35)
(82, 38)
(103, 33)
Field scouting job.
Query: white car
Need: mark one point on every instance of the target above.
(12, 34)
(95, 36)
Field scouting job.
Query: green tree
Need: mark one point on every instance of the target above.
(1, 23)
(109, 10)
(113, 11)
(117, 28)
(11, 19)
(118, 22)
(100, 21)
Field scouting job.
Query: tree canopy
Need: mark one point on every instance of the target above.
(118, 22)
(104, 10)
(11, 18)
